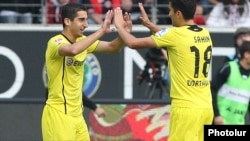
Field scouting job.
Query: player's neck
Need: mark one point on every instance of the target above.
(243, 62)
(69, 36)
(190, 22)
(185, 23)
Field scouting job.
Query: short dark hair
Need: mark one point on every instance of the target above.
(239, 31)
(70, 11)
(187, 7)
(245, 47)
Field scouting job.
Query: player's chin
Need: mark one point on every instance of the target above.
(80, 34)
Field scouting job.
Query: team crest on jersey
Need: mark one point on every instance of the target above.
(92, 75)
(161, 33)
(58, 40)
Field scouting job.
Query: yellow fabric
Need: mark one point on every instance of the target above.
(188, 123)
(189, 52)
(65, 77)
(60, 127)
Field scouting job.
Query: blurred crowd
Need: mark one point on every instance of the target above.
(212, 13)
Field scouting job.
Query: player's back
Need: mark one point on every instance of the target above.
(190, 51)
(190, 60)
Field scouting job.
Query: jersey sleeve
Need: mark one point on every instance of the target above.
(53, 45)
(161, 36)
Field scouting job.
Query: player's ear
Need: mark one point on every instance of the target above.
(178, 13)
(67, 21)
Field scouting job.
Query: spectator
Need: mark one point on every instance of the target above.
(54, 8)
(213, 2)
(241, 34)
(17, 11)
(127, 6)
(37, 12)
(207, 5)
(97, 8)
(230, 13)
(231, 89)
(199, 18)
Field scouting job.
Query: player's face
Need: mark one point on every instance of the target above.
(79, 24)
(172, 15)
(247, 57)
(242, 37)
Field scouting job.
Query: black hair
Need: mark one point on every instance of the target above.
(70, 11)
(187, 7)
(245, 47)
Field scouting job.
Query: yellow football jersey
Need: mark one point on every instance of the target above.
(65, 76)
(189, 56)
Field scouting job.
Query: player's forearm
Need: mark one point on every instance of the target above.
(117, 44)
(126, 36)
(86, 42)
(88, 103)
(154, 28)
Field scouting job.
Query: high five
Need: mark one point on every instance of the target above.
(189, 50)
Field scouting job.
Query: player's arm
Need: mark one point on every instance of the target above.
(127, 37)
(117, 44)
(145, 20)
(88, 103)
(76, 48)
(91, 105)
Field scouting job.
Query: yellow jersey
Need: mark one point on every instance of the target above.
(189, 56)
(65, 76)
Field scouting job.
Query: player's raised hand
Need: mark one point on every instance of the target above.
(144, 16)
(118, 18)
(107, 22)
(128, 22)
(145, 20)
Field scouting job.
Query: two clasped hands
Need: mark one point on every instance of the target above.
(122, 20)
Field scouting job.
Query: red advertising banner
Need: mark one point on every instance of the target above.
(131, 122)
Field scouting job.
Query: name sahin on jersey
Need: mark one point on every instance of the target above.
(201, 39)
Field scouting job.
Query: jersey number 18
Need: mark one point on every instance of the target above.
(207, 60)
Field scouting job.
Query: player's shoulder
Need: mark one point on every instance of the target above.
(56, 39)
